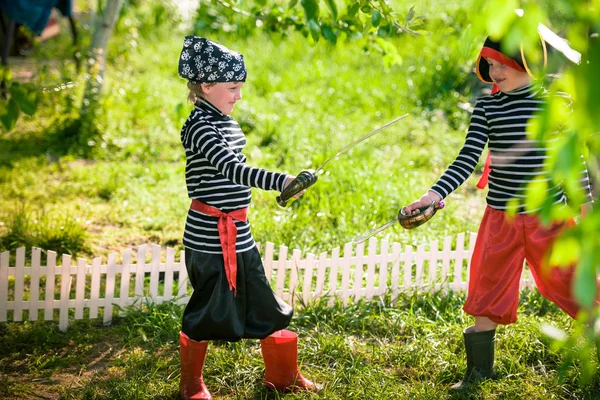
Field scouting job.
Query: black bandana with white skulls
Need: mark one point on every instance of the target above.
(204, 61)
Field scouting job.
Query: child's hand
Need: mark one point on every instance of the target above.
(290, 179)
(425, 200)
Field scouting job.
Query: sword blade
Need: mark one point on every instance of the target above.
(360, 139)
(374, 232)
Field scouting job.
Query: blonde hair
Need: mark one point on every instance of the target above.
(196, 90)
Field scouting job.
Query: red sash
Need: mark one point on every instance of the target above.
(227, 236)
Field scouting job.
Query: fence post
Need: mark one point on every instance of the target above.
(333, 275)
(183, 277)
(408, 262)
(139, 271)
(383, 267)
(446, 262)
(396, 259)
(358, 271)
(281, 267)
(80, 279)
(321, 275)
(50, 282)
(19, 283)
(294, 275)
(65, 288)
(111, 266)
(432, 261)
(371, 261)
(269, 260)
(156, 250)
(4, 259)
(95, 288)
(168, 291)
(346, 272)
(125, 276)
(308, 270)
(458, 261)
(34, 283)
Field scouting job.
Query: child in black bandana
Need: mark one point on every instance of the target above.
(232, 298)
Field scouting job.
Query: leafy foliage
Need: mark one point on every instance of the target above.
(15, 98)
(372, 20)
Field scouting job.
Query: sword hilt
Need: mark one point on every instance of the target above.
(304, 180)
(425, 214)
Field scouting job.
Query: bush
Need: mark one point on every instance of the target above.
(62, 234)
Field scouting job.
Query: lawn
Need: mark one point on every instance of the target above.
(120, 184)
(410, 349)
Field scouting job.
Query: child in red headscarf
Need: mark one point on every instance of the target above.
(504, 242)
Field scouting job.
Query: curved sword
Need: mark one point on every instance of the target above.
(357, 141)
(308, 178)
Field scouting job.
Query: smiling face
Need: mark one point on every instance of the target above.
(223, 95)
(507, 79)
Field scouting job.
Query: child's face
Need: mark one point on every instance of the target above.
(223, 95)
(506, 78)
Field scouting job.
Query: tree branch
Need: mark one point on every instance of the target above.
(239, 11)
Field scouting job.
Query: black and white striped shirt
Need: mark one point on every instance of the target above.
(216, 174)
(502, 119)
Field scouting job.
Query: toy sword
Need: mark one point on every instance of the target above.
(308, 178)
(408, 221)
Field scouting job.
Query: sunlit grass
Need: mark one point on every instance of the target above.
(298, 109)
(409, 349)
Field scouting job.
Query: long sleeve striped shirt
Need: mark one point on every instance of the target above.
(502, 120)
(216, 174)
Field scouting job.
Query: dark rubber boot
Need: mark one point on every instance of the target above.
(479, 347)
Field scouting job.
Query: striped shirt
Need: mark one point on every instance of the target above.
(502, 120)
(216, 174)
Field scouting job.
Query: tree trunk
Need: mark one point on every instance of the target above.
(97, 54)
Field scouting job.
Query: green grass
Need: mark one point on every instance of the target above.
(377, 350)
(119, 183)
(299, 108)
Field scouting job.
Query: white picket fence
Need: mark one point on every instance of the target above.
(70, 289)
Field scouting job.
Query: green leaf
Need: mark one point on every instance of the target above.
(329, 34)
(565, 251)
(585, 281)
(9, 119)
(293, 3)
(25, 98)
(375, 18)
(536, 194)
(314, 29)
(353, 9)
(410, 15)
(366, 9)
(499, 15)
(333, 9)
(311, 9)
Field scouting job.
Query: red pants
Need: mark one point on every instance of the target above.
(497, 263)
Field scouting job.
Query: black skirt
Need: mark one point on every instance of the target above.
(214, 313)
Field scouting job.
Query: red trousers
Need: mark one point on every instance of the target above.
(497, 263)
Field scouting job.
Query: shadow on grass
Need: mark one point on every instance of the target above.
(18, 148)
